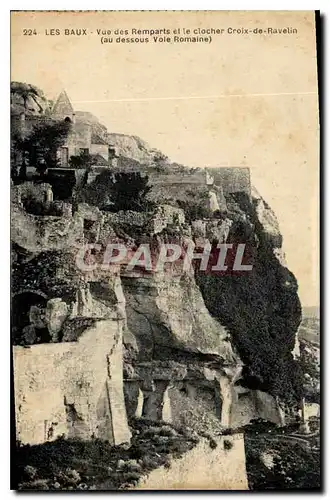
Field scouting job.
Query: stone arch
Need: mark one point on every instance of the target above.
(28, 290)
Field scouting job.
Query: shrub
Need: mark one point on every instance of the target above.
(227, 445)
(213, 444)
(120, 191)
(261, 310)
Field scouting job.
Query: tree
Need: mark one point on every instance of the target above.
(262, 312)
(196, 205)
(160, 158)
(83, 160)
(129, 191)
(44, 141)
(27, 92)
(120, 191)
(17, 156)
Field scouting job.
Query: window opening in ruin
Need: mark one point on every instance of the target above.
(90, 231)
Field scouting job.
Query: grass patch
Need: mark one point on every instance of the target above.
(67, 464)
(294, 466)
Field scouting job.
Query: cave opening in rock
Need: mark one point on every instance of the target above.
(28, 323)
(91, 231)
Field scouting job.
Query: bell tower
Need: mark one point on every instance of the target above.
(63, 109)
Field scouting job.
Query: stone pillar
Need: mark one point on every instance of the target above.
(226, 391)
(268, 408)
(49, 195)
(213, 201)
(115, 388)
(221, 200)
(191, 390)
(133, 398)
(153, 402)
(217, 399)
(66, 210)
(304, 426)
(113, 156)
(56, 314)
(167, 412)
(209, 179)
(22, 125)
(139, 407)
(296, 349)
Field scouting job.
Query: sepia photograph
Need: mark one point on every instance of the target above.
(164, 204)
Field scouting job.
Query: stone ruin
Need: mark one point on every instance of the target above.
(67, 360)
(92, 350)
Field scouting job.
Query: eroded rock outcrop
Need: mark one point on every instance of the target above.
(199, 334)
(167, 311)
(261, 308)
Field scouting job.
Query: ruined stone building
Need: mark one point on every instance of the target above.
(94, 349)
(82, 138)
(73, 331)
(67, 331)
(232, 179)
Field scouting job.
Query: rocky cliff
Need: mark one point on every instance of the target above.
(260, 308)
(204, 334)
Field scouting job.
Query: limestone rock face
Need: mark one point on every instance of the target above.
(264, 336)
(213, 200)
(37, 234)
(218, 230)
(209, 325)
(130, 146)
(169, 311)
(73, 389)
(70, 380)
(268, 220)
(36, 105)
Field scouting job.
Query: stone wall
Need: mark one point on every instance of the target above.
(251, 404)
(73, 389)
(40, 192)
(166, 215)
(126, 217)
(79, 137)
(154, 222)
(203, 468)
(232, 180)
(269, 222)
(311, 410)
(101, 149)
(189, 176)
(42, 233)
(268, 408)
(243, 409)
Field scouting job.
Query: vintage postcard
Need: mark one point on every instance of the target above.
(164, 237)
